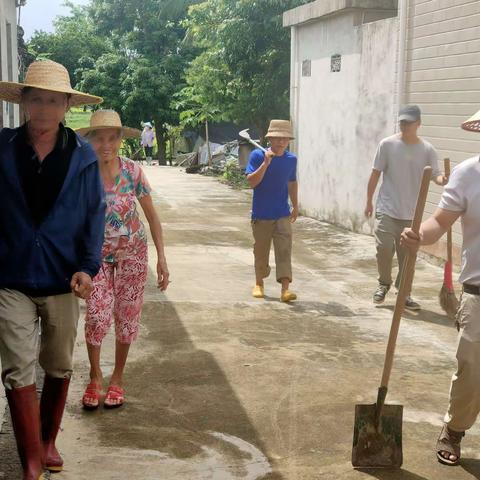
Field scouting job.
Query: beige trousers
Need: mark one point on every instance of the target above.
(20, 318)
(387, 238)
(280, 231)
(465, 388)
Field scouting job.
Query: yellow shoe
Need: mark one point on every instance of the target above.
(288, 296)
(258, 291)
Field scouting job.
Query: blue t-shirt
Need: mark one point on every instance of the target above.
(270, 196)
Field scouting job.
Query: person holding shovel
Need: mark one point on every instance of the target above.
(273, 177)
(400, 160)
(51, 233)
(119, 287)
(460, 199)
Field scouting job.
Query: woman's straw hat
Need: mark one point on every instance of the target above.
(103, 119)
(473, 123)
(280, 129)
(46, 75)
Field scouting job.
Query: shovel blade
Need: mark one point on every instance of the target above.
(377, 447)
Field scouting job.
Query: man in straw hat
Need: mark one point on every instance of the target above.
(400, 159)
(120, 284)
(51, 233)
(460, 199)
(273, 177)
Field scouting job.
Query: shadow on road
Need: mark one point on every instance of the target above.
(472, 466)
(180, 403)
(400, 474)
(423, 316)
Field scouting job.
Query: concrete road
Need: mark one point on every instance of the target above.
(222, 386)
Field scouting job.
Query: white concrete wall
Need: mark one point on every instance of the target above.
(442, 76)
(8, 14)
(340, 117)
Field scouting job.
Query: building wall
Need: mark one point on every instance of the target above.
(442, 76)
(9, 58)
(340, 117)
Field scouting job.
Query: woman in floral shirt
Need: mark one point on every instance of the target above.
(120, 284)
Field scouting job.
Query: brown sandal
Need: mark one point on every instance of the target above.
(449, 441)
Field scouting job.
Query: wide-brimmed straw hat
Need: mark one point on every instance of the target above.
(280, 129)
(473, 123)
(103, 119)
(50, 76)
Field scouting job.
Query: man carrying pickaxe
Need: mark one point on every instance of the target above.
(273, 177)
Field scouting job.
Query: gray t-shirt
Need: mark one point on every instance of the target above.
(462, 194)
(402, 167)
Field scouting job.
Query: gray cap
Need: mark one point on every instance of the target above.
(409, 113)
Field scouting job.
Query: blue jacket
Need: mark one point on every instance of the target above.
(41, 260)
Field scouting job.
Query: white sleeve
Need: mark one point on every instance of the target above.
(453, 197)
(380, 161)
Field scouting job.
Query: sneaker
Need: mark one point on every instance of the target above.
(411, 304)
(380, 293)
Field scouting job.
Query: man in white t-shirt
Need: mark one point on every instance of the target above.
(460, 199)
(400, 160)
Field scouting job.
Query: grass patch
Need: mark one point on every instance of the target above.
(234, 175)
(77, 118)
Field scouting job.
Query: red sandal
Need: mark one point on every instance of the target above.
(91, 397)
(114, 394)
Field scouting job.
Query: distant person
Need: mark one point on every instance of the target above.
(120, 284)
(273, 177)
(400, 160)
(51, 233)
(147, 141)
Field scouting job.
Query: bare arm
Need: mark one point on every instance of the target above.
(256, 177)
(431, 230)
(157, 235)
(293, 194)
(372, 186)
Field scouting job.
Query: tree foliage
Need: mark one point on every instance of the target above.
(177, 61)
(244, 67)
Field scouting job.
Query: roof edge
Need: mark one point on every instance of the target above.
(323, 8)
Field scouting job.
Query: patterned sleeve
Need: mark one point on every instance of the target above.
(142, 187)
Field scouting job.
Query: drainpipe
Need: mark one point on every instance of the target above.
(402, 46)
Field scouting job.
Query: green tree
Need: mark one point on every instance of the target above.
(246, 56)
(149, 36)
(74, 38)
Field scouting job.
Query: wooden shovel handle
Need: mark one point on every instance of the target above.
(406, 280)
(446, 165)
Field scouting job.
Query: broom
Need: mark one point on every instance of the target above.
(447, 297)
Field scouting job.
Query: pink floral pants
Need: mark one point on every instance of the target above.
(117, 294)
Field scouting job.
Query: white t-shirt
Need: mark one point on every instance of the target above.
(462, 194)
(402, 167)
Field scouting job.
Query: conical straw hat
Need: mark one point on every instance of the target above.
(473, 123)
(281, 129)
(103, 119)
(46, 75)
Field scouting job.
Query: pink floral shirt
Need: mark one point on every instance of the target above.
(124, 231)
